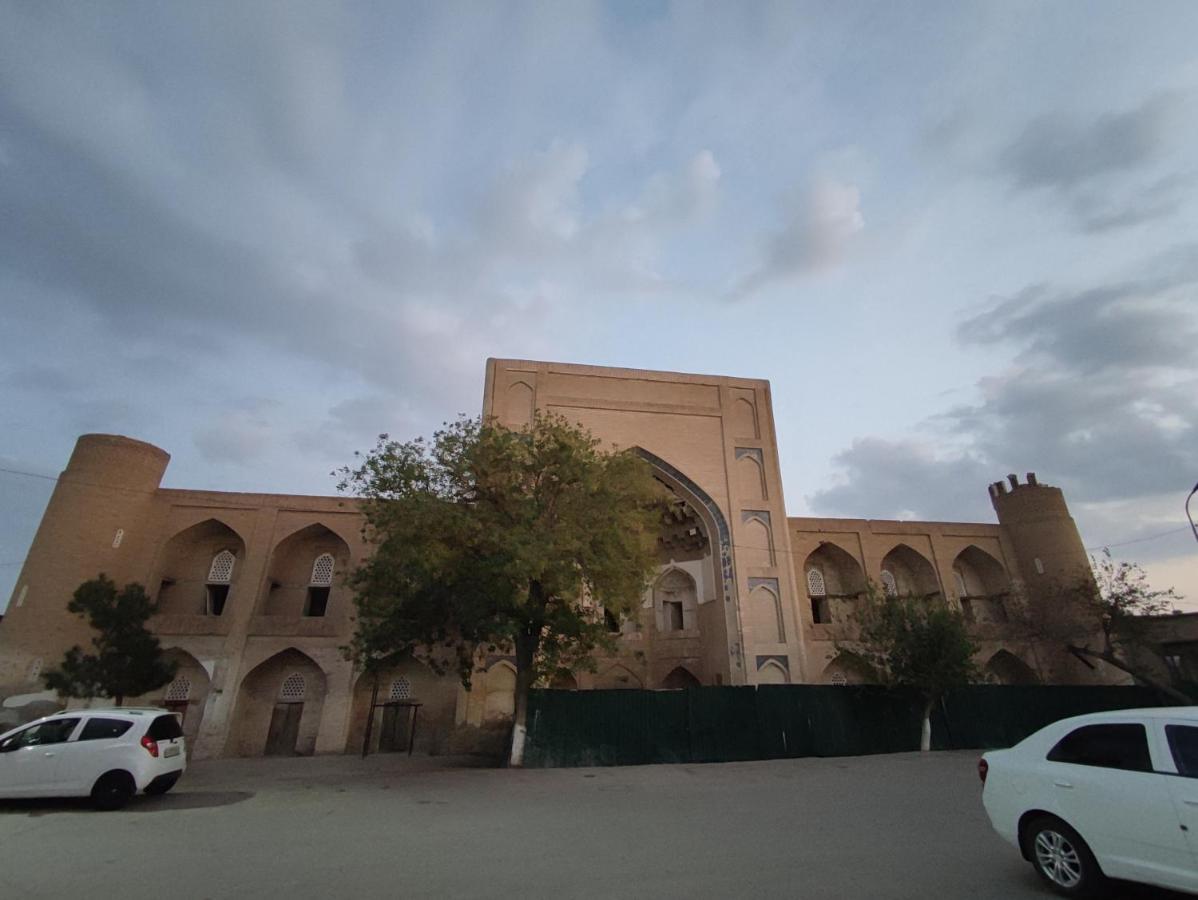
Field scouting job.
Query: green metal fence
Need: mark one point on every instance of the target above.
(724, 724)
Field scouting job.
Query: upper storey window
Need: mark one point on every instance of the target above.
(319, 586)
(220, 576)
(889, 585)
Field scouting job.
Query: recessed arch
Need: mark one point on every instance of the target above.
(675, 602)
(913, 573)
(500, 691)
(765, 614)
(750, 477)
(518, 405)
(1007, 668)
(311, 554)
(390, 726)
(199, 569)
(841, 578)
(744, 418)
(757, 549)
(772, 672)
(680, 678)
(980, 573)
(269, 718)
(848, 668)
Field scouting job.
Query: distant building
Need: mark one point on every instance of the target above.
(255, 610)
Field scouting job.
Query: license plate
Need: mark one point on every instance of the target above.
(170, 751)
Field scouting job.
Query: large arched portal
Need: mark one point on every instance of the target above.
(689, 611)
(278, 707)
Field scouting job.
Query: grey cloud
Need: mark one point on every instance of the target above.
(1097, 211)
(1102, 400)
(1058, 151)
(905, 479)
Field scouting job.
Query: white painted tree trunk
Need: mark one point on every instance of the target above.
(925, 738)
(516, 760)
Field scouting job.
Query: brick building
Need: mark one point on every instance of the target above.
(254, 608)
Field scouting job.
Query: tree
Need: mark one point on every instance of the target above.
(127, 661)
(1104, 615)
(491, 537)
(915, 642)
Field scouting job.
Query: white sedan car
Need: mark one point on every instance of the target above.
(106, 754)
(1106, 795)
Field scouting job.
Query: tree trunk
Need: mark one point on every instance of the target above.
(118, 700)
(925, 736)
(1112, 659)
(526, 649)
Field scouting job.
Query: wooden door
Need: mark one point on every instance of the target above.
(284, 729)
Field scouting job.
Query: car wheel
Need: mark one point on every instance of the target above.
(1062, 859)
(112, 791)
(160, 786)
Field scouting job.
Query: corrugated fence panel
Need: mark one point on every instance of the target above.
(724, 724)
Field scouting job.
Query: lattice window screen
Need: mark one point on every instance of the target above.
(838, 679)
(221, 571)
(889, 585)
(179, 690)
(293, 687)
(322, 570)
(815, 583)
(401, 689)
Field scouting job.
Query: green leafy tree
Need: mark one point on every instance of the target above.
(913, 642)
(127, 661)
(1105, 615)
(497, 538)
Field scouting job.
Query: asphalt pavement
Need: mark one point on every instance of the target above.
(900, 826)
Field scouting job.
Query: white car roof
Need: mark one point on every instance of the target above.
(1154, 712)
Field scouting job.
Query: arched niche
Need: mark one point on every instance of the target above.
(750, 475)
(1007, 668)
(296, 584)
(981, 585)
(679, 679)
(765, 614)
(744, 418)
(847, 668)
(518, 410)
(913, 574)
(279, 703)
(757, 543)
(771, 672)
(190, 559)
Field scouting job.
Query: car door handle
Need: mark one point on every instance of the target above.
(1063, 784)
(48, 753)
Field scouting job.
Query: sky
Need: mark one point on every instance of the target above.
(960, 239)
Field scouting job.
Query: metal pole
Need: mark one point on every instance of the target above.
(1193, 528)
(374, 696)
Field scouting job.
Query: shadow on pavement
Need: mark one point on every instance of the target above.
(168, 803)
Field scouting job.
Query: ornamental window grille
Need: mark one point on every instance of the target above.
(221, 570)
(179, 690)
(322, 571)
(815, 583)
(294, 689)
(889, 585)
(839, 679)
(401, 689)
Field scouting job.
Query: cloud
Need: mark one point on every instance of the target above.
(1101, 399)
(816, 234)
(1059, 151)
(1102, 170)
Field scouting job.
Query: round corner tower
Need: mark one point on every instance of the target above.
(1043, 534)
(100, 518)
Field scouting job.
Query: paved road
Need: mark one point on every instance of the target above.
(902, 826)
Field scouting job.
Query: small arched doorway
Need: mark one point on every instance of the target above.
(680, 678)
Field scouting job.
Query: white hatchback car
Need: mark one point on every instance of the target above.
(106, 754)
(1106, 795)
